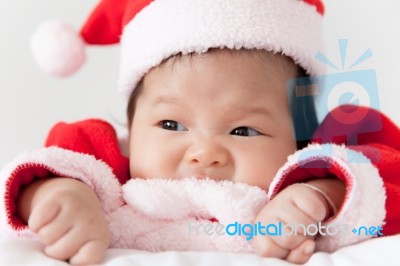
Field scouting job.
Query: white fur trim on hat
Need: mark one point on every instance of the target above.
(168, 27)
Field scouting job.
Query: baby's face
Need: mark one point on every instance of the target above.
(220, 116)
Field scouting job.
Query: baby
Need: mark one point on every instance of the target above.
(212, 112)
(222, 115)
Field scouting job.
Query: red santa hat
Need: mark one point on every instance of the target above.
(151, 31)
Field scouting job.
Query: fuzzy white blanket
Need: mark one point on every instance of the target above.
(184, 215)
(379, 251)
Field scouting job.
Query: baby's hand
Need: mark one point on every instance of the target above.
(67, 217)
(297, 204)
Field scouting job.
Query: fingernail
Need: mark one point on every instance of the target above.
(309, 249)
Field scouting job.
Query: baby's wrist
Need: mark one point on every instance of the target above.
(332, 209)
(331, 190)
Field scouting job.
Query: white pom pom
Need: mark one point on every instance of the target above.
(57, 48)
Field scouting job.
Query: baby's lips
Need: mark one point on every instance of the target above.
(210, 219)
(213, 220)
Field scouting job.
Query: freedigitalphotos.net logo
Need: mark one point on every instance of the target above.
(279, 229)
(346, 91)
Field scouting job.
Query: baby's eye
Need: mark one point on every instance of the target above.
(245, 132)
(172, 125)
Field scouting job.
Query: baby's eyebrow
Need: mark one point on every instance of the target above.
(262, 110)
(164, 99)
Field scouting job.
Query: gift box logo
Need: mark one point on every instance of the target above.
(338, 91)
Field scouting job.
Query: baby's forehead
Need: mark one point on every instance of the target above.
(214, 75)
(251, 69)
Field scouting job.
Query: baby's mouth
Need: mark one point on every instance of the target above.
(210, 219)
(213, 220)
(203, 176)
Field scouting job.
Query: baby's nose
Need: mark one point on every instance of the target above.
(207, 153)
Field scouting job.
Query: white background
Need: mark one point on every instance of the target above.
(31, 101)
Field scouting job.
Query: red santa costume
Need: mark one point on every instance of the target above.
(155, 214)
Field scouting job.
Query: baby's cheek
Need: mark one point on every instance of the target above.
(151, 163)
(140, 163)
(256, 172)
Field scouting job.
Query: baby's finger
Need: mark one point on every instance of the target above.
(292, 227)
(69, 244)
(302, 253)
(43, 214)
(266, 247)
(54, 231)
(90, 253)
(293, 234)
(58, 227)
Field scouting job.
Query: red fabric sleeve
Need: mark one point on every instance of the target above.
(95, 137)
(371, 126)
(378, 138)
(360, 146)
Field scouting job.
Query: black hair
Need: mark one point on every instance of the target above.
(303, 112)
